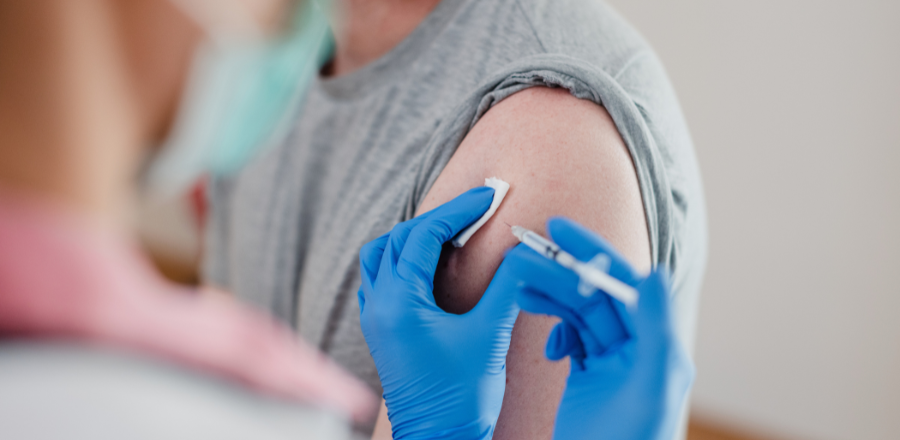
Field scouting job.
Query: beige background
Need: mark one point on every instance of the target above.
(795, 110)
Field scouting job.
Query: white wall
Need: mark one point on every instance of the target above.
(795, 110)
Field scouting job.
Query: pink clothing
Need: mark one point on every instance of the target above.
(63, 279)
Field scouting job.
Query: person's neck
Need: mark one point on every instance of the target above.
(367, 29)
(68, 130)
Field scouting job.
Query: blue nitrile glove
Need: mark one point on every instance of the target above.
(443, 375)
(628, 386)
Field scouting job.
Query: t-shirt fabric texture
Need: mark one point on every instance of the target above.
(365, 148)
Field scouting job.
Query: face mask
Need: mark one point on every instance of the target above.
(241, 93)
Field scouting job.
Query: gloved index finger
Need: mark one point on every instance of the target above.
(422, 250)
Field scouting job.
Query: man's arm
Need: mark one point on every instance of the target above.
(561, 156)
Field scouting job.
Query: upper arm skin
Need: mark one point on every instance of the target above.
(561, 156)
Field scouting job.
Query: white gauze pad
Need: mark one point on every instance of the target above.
(500, 190)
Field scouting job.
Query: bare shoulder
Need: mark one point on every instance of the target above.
(562, 156)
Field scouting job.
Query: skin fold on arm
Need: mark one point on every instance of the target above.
(561, 156)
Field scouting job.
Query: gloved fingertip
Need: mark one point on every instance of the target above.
(482, 190)
(480, 198)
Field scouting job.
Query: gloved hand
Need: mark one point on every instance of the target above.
(443, 375)
(629, 375)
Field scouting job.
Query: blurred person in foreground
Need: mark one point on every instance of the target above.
(94, 342)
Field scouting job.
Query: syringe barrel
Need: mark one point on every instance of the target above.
(546, 247)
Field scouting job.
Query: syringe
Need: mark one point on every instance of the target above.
(588, 274)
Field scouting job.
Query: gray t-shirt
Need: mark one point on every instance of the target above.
(366, 147)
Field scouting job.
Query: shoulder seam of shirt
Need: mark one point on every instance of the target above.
(531, 25)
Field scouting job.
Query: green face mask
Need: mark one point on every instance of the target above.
(239, 100)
